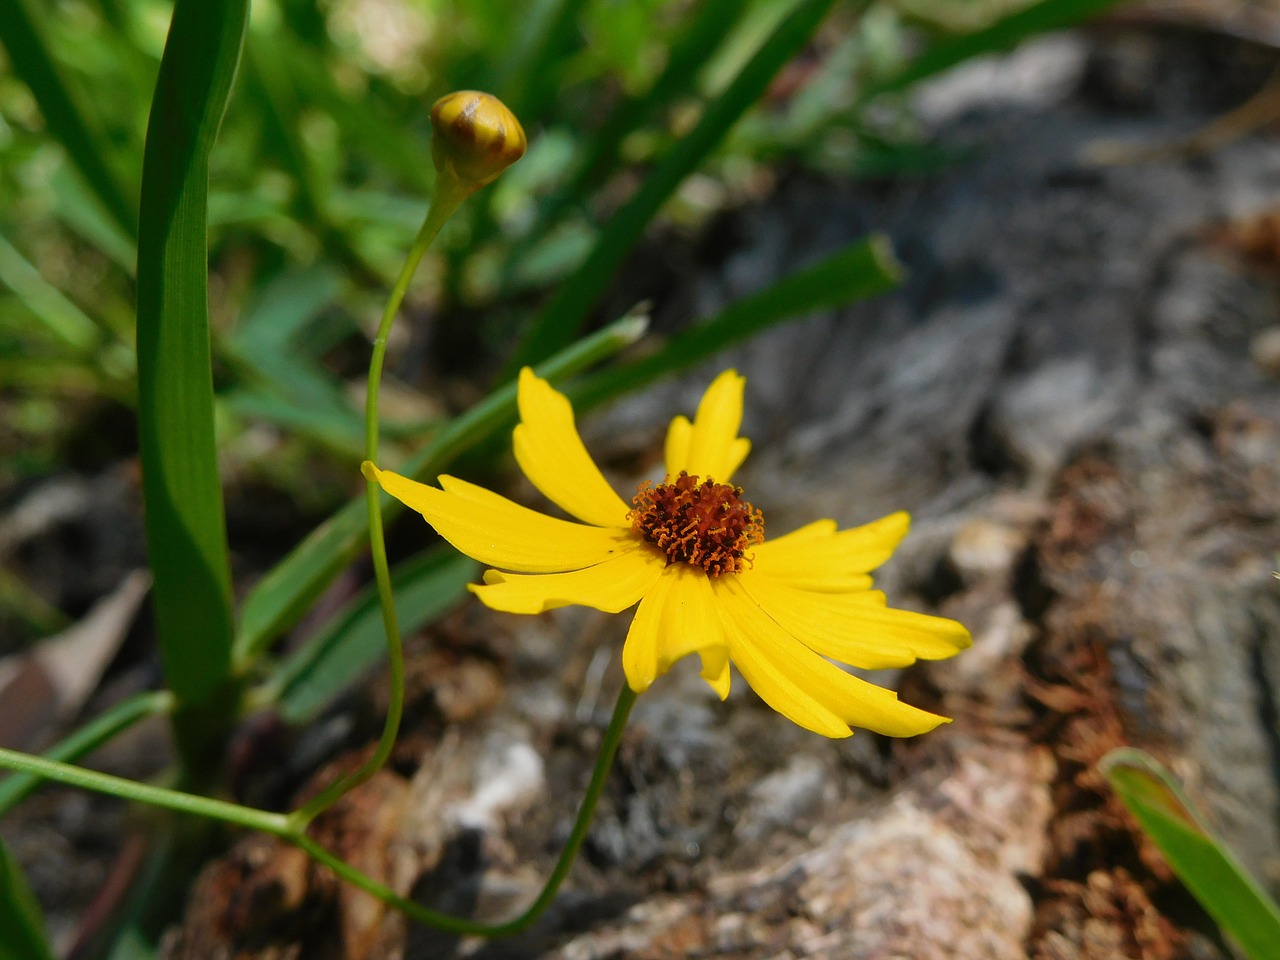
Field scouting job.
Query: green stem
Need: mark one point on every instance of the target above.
(276, 823)
(14, 789)
(474, 928)
(286, 826)
(448, 197)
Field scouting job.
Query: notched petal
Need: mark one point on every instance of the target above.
(499, 532)
(550, 451)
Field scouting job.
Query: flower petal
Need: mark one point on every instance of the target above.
(551, 454)
(715, 669)
(710, 446)
(820, 557)
(611, 586)
(855, 628)
(801, 685)
(676, 617)
(499, 532)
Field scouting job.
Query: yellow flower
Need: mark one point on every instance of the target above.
(692, 552)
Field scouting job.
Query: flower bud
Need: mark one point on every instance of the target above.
(476, 137)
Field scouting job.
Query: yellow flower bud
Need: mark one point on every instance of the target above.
(476, 138)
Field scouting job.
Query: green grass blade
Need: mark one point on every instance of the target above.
(366, 124)
(1002, 35)
(713, 21)
(185, 525)
(66, 322)
(426, 587)
(854, 273)
(531, 77)
(281, 597)
(88, 149)
(22, 935)
(559, 322)
(1232, 897)
(17, 786)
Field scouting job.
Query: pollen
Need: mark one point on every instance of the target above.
(699, 522)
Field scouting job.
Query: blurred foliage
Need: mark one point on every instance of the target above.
(322, 171)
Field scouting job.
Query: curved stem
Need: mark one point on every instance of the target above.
(287, 827)
(448, 197)
(462, 925)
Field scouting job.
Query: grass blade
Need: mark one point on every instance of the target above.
(714, 20)
(88, 149)
(185, 525)
(530, 81)
(280, 598)
(1232, 897)
(23, 936)
(426, 587)
(1002, 35)
(562, 318)
(854, 273)
(66, 322)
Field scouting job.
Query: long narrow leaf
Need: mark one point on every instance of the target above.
(185, 525)
(62, 318)
(87, 148)
(562, 318)
(854, 273)
(1002, 35)
(288, 589)
(1232, 897)
(353, 641)
(713, 21)
(532, 75)
(22, 935)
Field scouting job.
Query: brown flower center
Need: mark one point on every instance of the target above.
(705, 523)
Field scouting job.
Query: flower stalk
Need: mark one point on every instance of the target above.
(291, 828)
(476, 138)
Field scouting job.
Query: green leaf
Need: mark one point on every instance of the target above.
(65, 321)
(281, 597)
(562, 318)
(87, 148)
(283, 380)
(426, 587)
(185, 525)
(22, 935)
(1004, 34)
(712, 22)
(550, 31)
(854, 273)
(1201, 861)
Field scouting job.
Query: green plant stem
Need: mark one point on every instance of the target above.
(466, 927)
(287, 827)
(275, 823)
(15, 788)
(448, 197)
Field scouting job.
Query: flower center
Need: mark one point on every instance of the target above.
(705, 523)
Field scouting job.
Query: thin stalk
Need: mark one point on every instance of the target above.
(288, 828)
(274, 823)
(466, 927)
(448, 197)
(15, 788)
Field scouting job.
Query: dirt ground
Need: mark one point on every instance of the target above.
(1074, 393)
